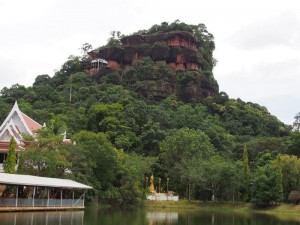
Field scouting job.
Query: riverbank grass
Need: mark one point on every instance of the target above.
(223, 206)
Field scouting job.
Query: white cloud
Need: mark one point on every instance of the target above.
(283, 29)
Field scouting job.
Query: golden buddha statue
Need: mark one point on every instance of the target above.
(151, 187)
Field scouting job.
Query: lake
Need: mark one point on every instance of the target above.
(95, 216)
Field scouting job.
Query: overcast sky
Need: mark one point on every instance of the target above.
(257, 41)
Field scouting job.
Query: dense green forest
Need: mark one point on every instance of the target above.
(220, 148)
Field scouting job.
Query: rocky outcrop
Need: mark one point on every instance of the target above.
(177, 50)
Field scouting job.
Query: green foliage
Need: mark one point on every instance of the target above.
(246, 175)
(289, 166)
(294, 197)
(151, 136)
(9, 164)
(48, 157)
(294, 148)
(264, 189)
(219, 175)
(114, 40)
(101, 157)
(144, 72)
(296, 124)
(133, 170)
(206, 148)
(182, 153)
(205, 43)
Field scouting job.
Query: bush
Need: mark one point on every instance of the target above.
(294, 197)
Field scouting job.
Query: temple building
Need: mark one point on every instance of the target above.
(16, 125)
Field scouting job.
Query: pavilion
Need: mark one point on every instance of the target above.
(31, 193)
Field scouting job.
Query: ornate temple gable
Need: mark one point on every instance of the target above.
(16, 124)
(31, 124)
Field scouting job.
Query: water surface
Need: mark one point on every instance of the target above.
(95, 216)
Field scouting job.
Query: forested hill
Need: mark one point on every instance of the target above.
(123, 135)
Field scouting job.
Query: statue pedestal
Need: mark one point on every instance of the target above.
(162, 197)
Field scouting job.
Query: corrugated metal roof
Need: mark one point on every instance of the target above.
(28, 180)
(99, 60)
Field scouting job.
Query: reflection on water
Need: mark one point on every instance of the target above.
(42, 218)
(162, 217)
(97, 216)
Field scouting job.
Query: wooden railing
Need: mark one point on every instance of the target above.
(30, 202)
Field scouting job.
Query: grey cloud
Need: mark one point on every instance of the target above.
(263, 81)
(10, 74)
(287, 70)
(283, 29)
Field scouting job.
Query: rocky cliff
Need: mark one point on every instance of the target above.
(156, 65)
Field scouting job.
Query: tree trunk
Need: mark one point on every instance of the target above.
(189, 191)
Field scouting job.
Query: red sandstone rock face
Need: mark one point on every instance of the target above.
(113, 64)
(172, 65)
(180, 67)
(176, 49)
(180, 58)
(192, 66)
(180, 41)
(92, 71)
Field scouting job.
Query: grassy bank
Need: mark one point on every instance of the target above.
(223, 206)
(185, 204)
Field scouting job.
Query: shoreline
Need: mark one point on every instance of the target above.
(223, 206)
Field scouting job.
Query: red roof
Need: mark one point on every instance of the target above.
(32, 125)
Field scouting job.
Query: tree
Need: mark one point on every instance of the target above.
(109, 119)
(246, 175)
(47, 156)
(267, 186)
(42, 80)
(296, 124)
(86, 47)
(294, 197)
(277, 165)
(114, 40)
(101, 157)
(182, 153)
(219, 174)
(288, 164)
(10, 162)
(294, 148)
(133, 170)
(151, 136)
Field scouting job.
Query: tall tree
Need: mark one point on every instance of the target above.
(296, 124)
(277, 165)
(182, 153)
(266, 185)
(246, 175)
(48, 156)
(219, 175)
(10, 162)
(288, 165)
